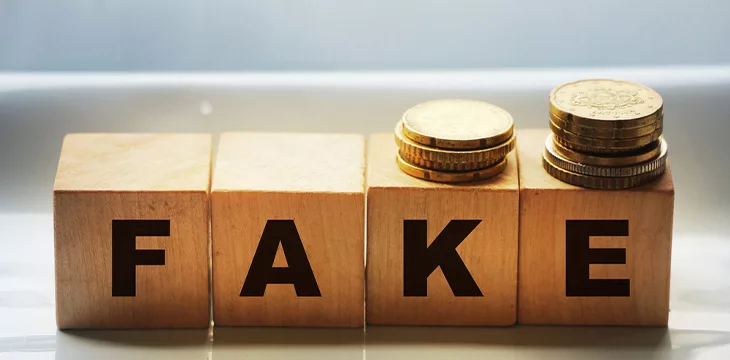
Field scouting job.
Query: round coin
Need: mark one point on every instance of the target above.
(606, 104)
(450, 177)
(598, 182)
(445, 166)
(554, 157)
(458, 124)
(606, 133)
(426, 153)
(582, 143)
(640, 155)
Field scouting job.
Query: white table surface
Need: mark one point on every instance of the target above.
(36, 110)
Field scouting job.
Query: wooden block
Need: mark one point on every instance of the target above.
(111, 189)
(639, 221)
(478, 220)
(288, 230)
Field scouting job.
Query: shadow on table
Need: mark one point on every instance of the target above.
(132, 344)
(550, 336)
(287, 336)
(379, 342)
(545, 342)
(389, 342)
(288, 343)
(522, 342)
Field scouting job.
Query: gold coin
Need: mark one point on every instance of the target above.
(450, 177)
(445, 166)
(640, 155)
(599, 182)
(604, 171)
(457, 124)
(426, 153)
(582, 143)
(606, 133)
(606, 104)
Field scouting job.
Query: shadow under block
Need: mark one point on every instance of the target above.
(288, 230)
(488, 251)
(546, 206)
(124, 204)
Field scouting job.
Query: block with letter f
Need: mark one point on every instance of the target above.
(131, 231)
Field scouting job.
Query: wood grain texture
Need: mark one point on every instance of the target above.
(545, 205)
(489, 251)
(105, 177)
(316, 180)
(290, 162)
(134, 162)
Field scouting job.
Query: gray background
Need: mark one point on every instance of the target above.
(679, 48)
(205, 35)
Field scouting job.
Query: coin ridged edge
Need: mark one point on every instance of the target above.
(451, 156)
(450, 177)
(608, 124)
(603, 183)
(444, 166)
(604, 171)
(456, 144)
(451, 144)
(589, 149)
(612, 134)
(603, 145)
(642, 154)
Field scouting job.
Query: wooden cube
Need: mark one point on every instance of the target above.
(468, 273)
(131, 231)
(615, 243)
(288, 230)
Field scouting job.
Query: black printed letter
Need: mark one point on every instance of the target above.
(262, 271)
(420, 260)
(126, 257)
(579, 256)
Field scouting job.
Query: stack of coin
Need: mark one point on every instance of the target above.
(606, 134)
(454, 140)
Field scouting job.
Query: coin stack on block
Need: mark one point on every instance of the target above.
(454, 140)
(606, 134)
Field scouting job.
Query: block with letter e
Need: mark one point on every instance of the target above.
(439, 254)
(288, 230)
(131, 231)
(591, 257)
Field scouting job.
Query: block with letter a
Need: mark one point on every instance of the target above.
(288, 230)
(591, 257)
(439, 254)
(131, 231)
